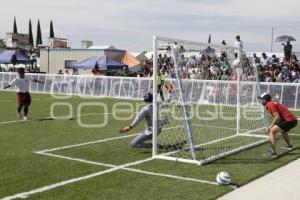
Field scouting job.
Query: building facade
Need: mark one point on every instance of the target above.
(17, 41)
(58, 43)
(53, 60)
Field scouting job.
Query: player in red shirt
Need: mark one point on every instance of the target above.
(283, 121)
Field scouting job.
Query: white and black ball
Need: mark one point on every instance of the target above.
(223, 178)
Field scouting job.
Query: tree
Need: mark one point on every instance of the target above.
(39, 34)
(51, 30)
(30, 34)
(15, 31)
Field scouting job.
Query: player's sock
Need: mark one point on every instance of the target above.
(19, 112)
(25, 111)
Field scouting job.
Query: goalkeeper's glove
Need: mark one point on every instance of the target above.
(125, 129)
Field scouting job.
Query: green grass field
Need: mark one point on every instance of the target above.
(34, 166)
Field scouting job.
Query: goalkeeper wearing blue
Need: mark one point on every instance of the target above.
(146, 115)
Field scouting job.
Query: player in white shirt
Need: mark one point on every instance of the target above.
(23, 96)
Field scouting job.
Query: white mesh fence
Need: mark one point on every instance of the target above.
(134, 88)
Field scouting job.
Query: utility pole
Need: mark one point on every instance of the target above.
(272, 39)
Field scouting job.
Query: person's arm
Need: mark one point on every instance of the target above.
(11, 84)
(7, 86)
(139, 117)
(37, 81)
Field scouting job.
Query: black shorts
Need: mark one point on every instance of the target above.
(23, 99)
(286, 126)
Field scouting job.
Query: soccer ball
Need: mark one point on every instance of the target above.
(223, 178)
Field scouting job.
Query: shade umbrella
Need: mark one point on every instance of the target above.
(285, 38)
(13, 57)
(104, 63)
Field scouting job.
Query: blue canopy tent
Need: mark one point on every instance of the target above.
(13, 57)
(104, 63)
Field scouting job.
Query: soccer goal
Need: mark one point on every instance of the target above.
(206, 118)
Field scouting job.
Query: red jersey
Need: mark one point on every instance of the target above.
(284, 113)
(96, 72)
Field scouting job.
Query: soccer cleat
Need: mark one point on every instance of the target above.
(286, 146)
(25, 118)
(270, 154)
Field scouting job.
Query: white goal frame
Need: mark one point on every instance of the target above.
(165, 156)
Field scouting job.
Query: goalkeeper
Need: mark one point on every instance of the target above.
(283, 121)
(145, 114)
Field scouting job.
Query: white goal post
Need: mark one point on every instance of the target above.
(221, 118)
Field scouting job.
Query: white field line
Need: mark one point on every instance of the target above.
(169, 128)
(129, 169)
(83, 144)
(171, 176)
(76, 159)
(59, 184)
(63, 117)
(213, 126)
(112, 169)
(294, 134)
(252, 135)
(66, 117)
(124, 167)
(8, 101)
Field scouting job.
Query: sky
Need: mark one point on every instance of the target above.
(131, 24)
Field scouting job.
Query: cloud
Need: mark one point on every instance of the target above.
(130, 24)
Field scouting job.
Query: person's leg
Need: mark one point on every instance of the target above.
(160, 91)
(25, 110)
(286, 138)
(285, 127)
(272, 136)
(138, 142)
(27, 102)
(162, 95)
(19, 105)
(19, 110)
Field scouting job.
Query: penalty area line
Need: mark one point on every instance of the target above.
(62, 117)
(86, 143)
(70, 181)
(113, 168)
(131, 169)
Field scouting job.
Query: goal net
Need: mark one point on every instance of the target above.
(210, 108)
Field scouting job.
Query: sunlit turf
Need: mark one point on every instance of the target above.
(23, 170)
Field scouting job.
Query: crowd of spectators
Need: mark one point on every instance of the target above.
(224, 67)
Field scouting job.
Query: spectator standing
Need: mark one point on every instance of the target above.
(96, 70)
(287, 49)
(75, 71)
(60, 72)
(256, 59)
(238, 43)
